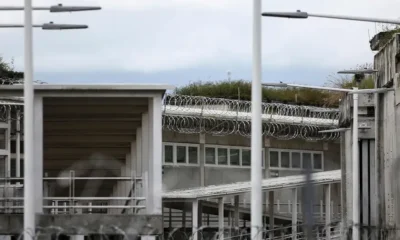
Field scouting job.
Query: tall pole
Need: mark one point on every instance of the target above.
(256, 127)
(356, 170)
(29, 179)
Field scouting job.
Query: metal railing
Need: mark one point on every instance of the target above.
(11, 196)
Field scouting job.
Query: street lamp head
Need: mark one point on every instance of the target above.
(359, 74)
(359, 71)
(298, 14)
(61, 8)
(274, 84)
(52, 26)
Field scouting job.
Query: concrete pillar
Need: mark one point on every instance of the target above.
(195, 226)
(139, 187)
(294, 213)
(127, 184)
(139, 159)
(121, 189)
(145, 161)
(8, 145)
(5, 237)
(200, 216)
(77, 237)
(38, 152)
(170, 218)
(134, 185)
(18, 145)
(202, 141)
(184, 217)
(148, 237)
(155, 157)
(271, 200)
(327, 192)
(221, 217)
(236, 215)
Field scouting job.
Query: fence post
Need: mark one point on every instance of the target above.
(327, 190)
(294, 214)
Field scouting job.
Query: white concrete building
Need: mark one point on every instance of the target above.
(114, 150)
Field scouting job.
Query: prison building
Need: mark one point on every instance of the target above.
(132, 160)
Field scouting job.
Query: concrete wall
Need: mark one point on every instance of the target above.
(387, 118)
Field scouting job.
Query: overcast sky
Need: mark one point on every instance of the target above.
(179, 41)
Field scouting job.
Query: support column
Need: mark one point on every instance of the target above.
(327, 193)
(195, 226)
(127, 184)
(18, 145)
(155, 153)
(221, 217)
(134, 172)
(271, 200)
(294, 213)
(236, 215)
(184, 217)
(8, 148)
(200, 216)
(145, 162)
(77, 237)
(139, 149)
(38, 152)
(202, 141)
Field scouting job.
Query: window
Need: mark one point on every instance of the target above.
(222, 156)
(217, 155)
(181, 154)
(14, 146)
(234, 155)
(168, 154)
(14, 167)
(285, 160)
(193, 155)
(210, 155)
(306, 160)
(246, 157)
(317, 161)
(296, 160)
(274, 159)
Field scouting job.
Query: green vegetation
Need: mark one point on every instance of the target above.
(241, 89)
(7, 72)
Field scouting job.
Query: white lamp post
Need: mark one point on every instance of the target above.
(256, 127)
(29, 178)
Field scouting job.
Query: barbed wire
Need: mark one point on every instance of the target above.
(195, 114)
(9, 106)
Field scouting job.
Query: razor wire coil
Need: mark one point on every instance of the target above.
(216, 116)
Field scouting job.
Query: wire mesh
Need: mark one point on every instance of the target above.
(195, 114)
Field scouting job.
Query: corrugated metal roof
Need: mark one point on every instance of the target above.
(244, 187)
